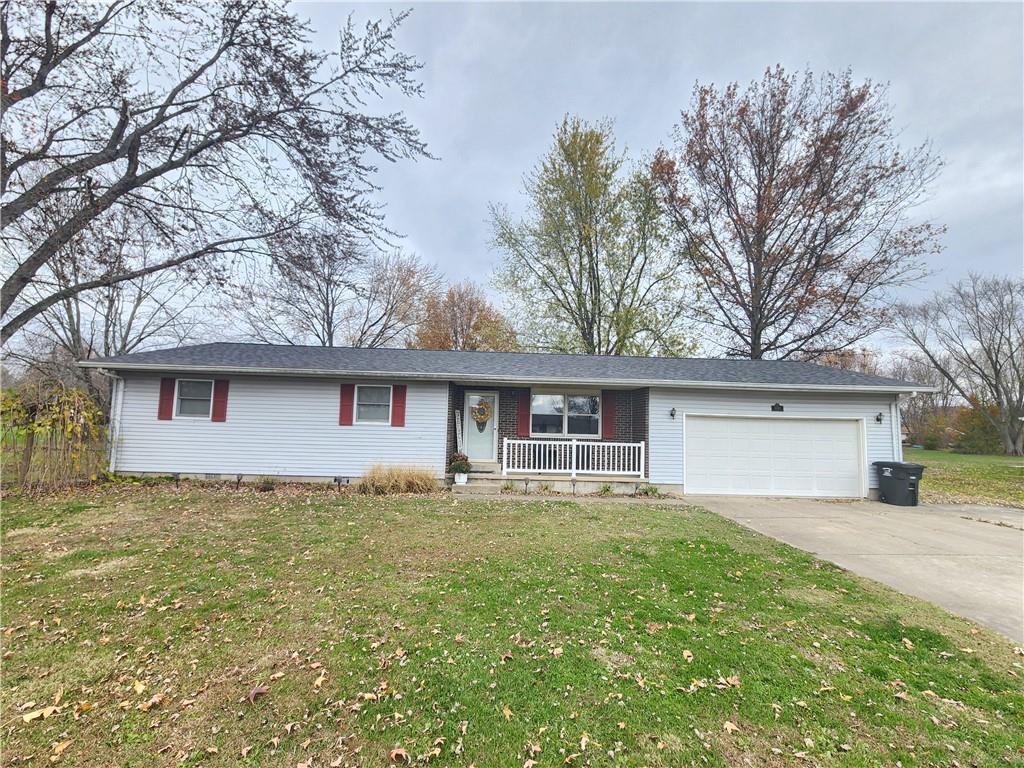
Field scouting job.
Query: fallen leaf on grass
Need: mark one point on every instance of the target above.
(907, 644)
(730, 727)
(58, 749)
(506, 711)
(398, 755)
(259, 690)
(43, 713)
(139, 686)
(154, 701)
(319, 681)
(688, 655)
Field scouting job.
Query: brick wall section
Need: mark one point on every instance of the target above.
(630, 415)
(641, 424)
(623, 416)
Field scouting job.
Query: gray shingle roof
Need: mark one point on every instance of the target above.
(498, 367)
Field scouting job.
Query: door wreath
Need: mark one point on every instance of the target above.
(481, 413)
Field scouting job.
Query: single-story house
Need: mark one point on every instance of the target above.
(699, 426)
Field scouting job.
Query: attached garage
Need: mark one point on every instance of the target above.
(766, 456)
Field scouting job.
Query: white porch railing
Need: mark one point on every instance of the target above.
(572, 457)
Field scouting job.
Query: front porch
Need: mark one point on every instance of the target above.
(573, 458)
(525, 436)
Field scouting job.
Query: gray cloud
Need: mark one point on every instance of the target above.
(499, 77)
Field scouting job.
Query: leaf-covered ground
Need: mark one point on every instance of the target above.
(155, 626)
(959, 478)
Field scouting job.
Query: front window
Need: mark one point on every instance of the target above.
(194, 397)
(373, 404)
(546, 414)
(584, 414)
(565, 414)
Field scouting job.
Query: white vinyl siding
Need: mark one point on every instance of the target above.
(278, 426)
(666, 434)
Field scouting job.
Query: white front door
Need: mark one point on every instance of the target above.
(772, 456)
(481, 426)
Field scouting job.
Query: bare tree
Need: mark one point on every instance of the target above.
(389, 300)
(127, 316)
(791, 199)
(461, 317)
(920, 413)
(306, 297)
(973, 333)
(215, 119)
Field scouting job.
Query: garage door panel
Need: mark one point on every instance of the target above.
(806, 457)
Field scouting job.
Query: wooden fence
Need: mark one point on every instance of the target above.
(38, 460)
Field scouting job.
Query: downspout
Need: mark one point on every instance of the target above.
(897, 431)
(116, 404)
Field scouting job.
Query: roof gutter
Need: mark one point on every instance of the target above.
(483, 378)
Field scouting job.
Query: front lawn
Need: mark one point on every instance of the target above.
(963, 478)
(153, 626)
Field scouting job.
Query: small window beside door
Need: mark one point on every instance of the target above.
(373, 404)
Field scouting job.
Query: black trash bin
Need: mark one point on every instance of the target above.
(898, 482)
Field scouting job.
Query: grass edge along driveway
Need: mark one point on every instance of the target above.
(205, 626)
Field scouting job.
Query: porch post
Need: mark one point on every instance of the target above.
(572, 448)
(504, 456)
(642, 465)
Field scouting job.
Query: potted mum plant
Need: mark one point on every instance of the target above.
(460, 467)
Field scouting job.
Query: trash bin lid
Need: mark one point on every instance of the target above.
(909, 466)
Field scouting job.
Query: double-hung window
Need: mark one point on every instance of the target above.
(373, 404)
(571, 414)
(194, 398)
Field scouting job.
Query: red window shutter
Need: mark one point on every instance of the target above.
(523, 414)
(348, 396)
(398, 405)
(220, 400)
(165, 411)
(607, 414)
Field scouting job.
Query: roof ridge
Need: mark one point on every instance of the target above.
(502, 352)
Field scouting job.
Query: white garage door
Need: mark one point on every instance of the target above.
(772, 456)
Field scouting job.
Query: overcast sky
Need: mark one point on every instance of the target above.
(499, 77)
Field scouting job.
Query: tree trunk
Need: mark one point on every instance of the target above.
(26, 457)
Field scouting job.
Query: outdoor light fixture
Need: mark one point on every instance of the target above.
(672, 413)
(878, 417)
(777, 408)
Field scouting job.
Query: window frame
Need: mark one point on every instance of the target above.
(177, 400)
(371, 422)
(565, 394)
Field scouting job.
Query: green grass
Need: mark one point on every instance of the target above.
(469, 632)
(963, 478)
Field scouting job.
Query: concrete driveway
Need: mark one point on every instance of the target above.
(967, 559)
